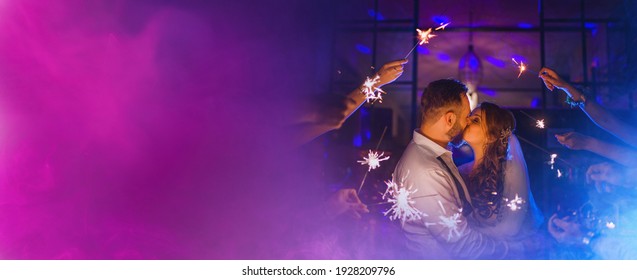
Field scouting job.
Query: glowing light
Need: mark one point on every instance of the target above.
(521, 66)
(372, 93)
(442, 26)
(400, 196)
(450, 222)
(610, 225)
(373, 159)
(516, 203)
(539, 124)
(425, 35)
(559, 174)
(552, 161)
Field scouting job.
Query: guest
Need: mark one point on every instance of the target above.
(593, 110)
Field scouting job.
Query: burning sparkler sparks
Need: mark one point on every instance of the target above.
(521, 66)
(370, 161)
(372, 93)
(442, 26)
(400, 196)
(515, 204)
(552, 161)
(373, 159)
(425, 35)
(449, 222)
(538, 123)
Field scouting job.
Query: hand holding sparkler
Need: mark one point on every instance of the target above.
(387, 74)
(552, 81)
(602, 117)
(345, 201)
(575, 140)
(621, 154)
(390, 72)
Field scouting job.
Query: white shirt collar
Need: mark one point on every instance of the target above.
(423, 141)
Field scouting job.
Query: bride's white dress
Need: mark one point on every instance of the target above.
(519, 215)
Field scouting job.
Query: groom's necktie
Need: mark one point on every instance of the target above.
(466, 206)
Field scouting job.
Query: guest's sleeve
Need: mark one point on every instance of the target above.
(443, 219)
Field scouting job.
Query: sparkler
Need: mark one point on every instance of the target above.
(538, 123)
(371, 92)
(402, 207)
(424, 36)
(373, 159)
(376, 163)
(515, 204)
(450, 222)
(553, 158)
(387, 202)
(521, 66)
(552, 161)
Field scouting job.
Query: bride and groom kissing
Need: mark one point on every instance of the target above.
(483, 209)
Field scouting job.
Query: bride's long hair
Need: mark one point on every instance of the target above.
(487, 178)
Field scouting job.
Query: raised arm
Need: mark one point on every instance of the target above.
(620, 154)
(321, 116)
(387, 74)
(600, 116)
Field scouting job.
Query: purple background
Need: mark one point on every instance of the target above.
(150, 129)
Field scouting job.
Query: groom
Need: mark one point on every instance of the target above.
(443, 231)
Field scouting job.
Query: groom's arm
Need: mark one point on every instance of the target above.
(443, 219)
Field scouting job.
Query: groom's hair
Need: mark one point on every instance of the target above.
(442, 96)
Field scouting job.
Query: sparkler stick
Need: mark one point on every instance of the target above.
(377, 146)
(387, 202)
(424, 36)
(544, 150)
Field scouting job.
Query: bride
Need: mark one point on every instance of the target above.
(497, 178)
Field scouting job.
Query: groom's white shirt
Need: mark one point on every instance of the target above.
(442, 232)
